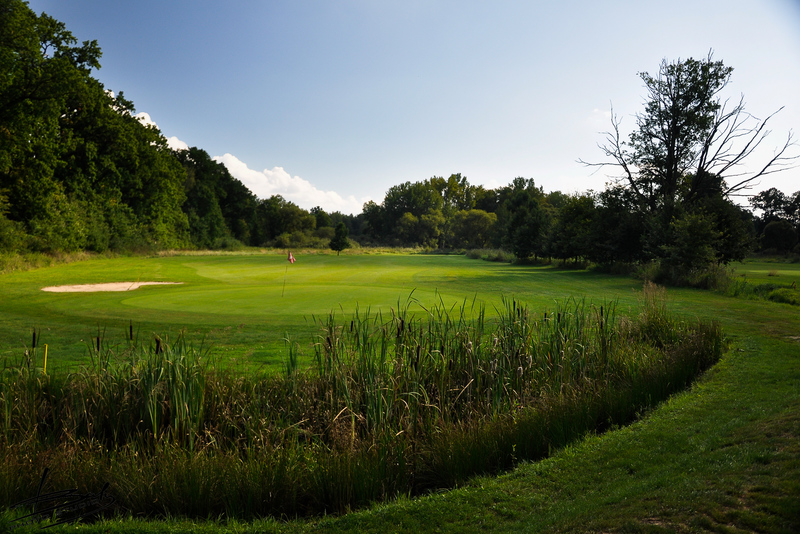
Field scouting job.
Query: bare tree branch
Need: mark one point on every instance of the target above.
(720, 156)
(779, 162)
(614, 148)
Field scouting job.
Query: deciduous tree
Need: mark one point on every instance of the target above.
(689, 146)
(340, 241)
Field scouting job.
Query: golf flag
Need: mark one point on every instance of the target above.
(291, 258)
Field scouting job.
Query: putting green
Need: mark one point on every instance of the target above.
(246, 304)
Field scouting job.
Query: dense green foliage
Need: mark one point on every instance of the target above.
(77, 169)
(340, 241)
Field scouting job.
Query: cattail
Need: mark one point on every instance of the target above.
(519, 371)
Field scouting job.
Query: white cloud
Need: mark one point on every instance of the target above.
(173, 142)
(145, 119)
(176, 144)
(277, 181)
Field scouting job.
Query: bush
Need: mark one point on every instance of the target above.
(227, 243)
(713, 276)
(490, 254)
(785, 295)
(647, 272)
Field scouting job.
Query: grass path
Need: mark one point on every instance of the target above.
(723, 457)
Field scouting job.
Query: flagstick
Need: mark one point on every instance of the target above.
(284, 281)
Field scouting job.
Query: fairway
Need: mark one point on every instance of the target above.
(244, 305)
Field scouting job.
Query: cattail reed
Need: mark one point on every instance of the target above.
(418, 399)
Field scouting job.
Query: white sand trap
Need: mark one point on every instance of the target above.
(114, 286)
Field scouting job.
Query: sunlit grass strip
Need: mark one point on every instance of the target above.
(397, 403)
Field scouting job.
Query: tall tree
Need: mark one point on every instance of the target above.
(340, 241)
(687, 130)
(688, 142)
(572, 235)
(473, 228)
(522, 219)
(619, 228)
(323, 219)
(42, 66)
(217, 204)
(77, 169)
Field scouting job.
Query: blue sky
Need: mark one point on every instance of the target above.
(331, 103)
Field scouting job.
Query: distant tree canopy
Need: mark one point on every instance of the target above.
(779, 224)
(672, 203)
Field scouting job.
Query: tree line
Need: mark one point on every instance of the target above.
(79, 171)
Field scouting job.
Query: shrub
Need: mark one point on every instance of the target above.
(227, 243)
(491, 254)
(785, 296)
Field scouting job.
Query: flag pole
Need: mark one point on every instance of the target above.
(290, 258)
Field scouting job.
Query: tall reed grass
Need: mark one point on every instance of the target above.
(395, 403)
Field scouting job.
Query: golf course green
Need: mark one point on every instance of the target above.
(243, 306)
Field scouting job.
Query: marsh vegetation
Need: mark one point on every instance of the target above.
(395, 403)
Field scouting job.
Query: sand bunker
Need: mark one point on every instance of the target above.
(115, 286)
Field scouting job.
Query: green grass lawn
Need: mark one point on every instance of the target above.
(774, 271)
(238, 304)
(721, 457)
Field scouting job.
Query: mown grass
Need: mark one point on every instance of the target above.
(722, 457)
(237, 303)
(766, 280)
